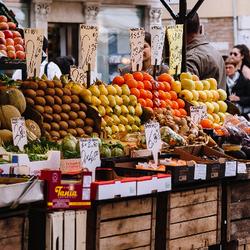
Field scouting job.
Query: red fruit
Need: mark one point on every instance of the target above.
(135, 91)
(143, 93)
(119, 80)
(142, 102)
(140, 85)
(165, 78)
(19, 47)
(16, 34)
(11, 54)
(147, 85)
(3, 47)
(181, 103)
(147, 76)
(128, 76)
(183, 112)
(12, 26)
(162, 95)
(10, 47)
(9, 41)
(161, 86)
(149, 103)
(8, 34)
(173, 95)
(167, 86)
(3, 19)
(2, 34)
(174, 105)
(176, 112)
(131, 83)
(163, 104)
(4, 26)
(3, 52)
(20, 55)
(2, 40)
(18, 40)
(138, 76)
(149, 94)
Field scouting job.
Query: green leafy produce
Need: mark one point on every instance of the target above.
(117, 152)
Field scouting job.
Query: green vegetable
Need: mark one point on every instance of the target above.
(69, 143)
(117, 152)
(105, 152)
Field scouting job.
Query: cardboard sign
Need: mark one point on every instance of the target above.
(242, 168)
(175, 38)
(19, 132)
(157, 43)
(33, 49)
(87, 46)
(197, 113)
(153, 138)
(90, 154)
(136, 46)
(231, 167)
(200, 171)
(78, 75)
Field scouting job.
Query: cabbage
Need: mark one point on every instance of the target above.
(69, 143)
(105, 152)
(117, 152)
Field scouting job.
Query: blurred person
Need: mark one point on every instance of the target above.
(50, 69)
(240, 54)
(64, 63)
(238, 87)
(203, 59)
(146, 66)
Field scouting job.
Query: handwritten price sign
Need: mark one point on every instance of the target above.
(157, 43)
(137, 45)
(153, 138)
(88, 46)
(33, 48)
(197, 113)
(78, 75)
(90, 154)
(19, 132)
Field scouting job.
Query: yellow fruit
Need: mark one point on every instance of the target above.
(185, 75)
(118, 100)
(109, 110)
(128, 128)
(215, 94)
(216, 107)
(103, 89)
(202, 96)
(131, 119)
(131, 110)
(137, 121)
(188, 84)
(108, 120)
(210, 117)
(222, 94)
(216, 118)
(222, 116)
(115, 129)
(123, 120)
(176, 86)
(124, 109)
(198, 85)
(117, 110)
(112, 101)
(133, 100)
(115, 119)
(142, 128)
(210, 96)
(87, 99)
(125, 99)
(206, 85)
(76, 89)
(86, 94)
(95, 101)
(223, 106)
(104, 100)
(118, 89)
(195, 103)
(135, 128)
(138, 109)
(121, 128)
(108, 130)
(195, 95)
(186, 95)
(213, 83)
(210, 107)
(102, 110)
(111, 90)
(94, 90)
(125, 89)
(103, 123)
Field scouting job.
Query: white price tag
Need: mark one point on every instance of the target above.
(231, 167)
(90, 154)
(19, 132)
(242, 168)
(200, 171)
(78, 75)
(157, 43)
(153, 138)
(137, 45)
(87, 46)
(33, 49)
(197, 113)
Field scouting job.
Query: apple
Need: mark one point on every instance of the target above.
(195, 95)
(216, 118)
(213, 83)
(202, 96)
(2, 40)
(216, 107)
(10, 47)
(3, 52)
(2, 34)
(195, 78)
(3, 47)
(176, 86)
(210, 95)
(8, 34)
(12, 26)
(186, 95)
(9, 41)
(3, 19)
(216, 95)
(185, 75)
(187, 84)
(20, 55)
(16, 33)
(223, 94)
(18, 40)
(206, 85)
(210, 107)
(4, 26)
(11, 54)
(223, 106)
(19, 47)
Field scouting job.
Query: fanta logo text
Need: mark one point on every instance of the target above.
(65, 193)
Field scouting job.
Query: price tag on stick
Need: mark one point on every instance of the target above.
(33, 49)
(19, 132)
(197, 113)
(153, 138)
(87, 46)
(136, 46)
(78, 75)
(157, 43)
(90, 154)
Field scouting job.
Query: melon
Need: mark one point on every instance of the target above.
(6, 136)
(6, 113)
(14, 97)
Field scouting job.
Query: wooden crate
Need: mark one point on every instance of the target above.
(14, 233)
(194, 219)
(239, 213)
(127, 224)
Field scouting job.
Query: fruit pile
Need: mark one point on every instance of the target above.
(204, 92)
(11, 41)
(118, 107)
(61, 107)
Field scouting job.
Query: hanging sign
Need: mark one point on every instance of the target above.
(19, 132)
(78, 75)
(157, 43)
(175, 38)
(153, 138)
(198, 113)
(137, 37)
(87, 46)
(33, 49)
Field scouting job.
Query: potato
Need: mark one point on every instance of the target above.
(48, 110)
(75, 107)
(63, 133)
(72, 124)
(50, 91)
(66, 91)
(57, 109)
(90, 122)
(64, 116)
(59, 92)
(72, 131)
(39, 108)
(66, 99)
(73, 115)
(79, 122)
(54, 134)
(46, 126)
(32, 85)
(50, 84)
(58, 100)
(29, 93)
(83, 107)
(81, 114)
(40, 101)
(80, 131)
(55, 126)
(75, 99)
(63, 125)
(42, 85)
(66, 108)
(40, 92)
(58, 84)
(48, 118)
(49, 100)
(56, 117)
(88, 130)
(29, 101)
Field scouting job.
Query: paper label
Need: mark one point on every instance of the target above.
(90, 154)
(231, 167)
(153, 138)
(33, 49)
(78, 75)
(197, 113)
(136, 46)
(19, 132)
(157, 43)
(200, 171)
(87, 179)
(175, 38)
(87, 46)
(242, 168)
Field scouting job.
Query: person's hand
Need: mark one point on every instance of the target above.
(234, 98)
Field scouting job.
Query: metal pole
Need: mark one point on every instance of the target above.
(170, 10)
